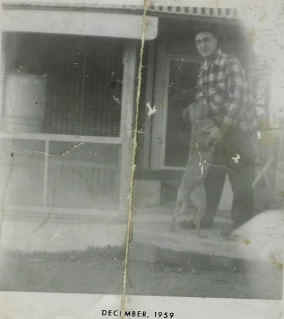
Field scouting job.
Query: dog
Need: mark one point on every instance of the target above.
(191, 195)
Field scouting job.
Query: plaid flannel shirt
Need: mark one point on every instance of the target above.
(223, 90)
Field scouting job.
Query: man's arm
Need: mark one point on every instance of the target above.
(236, 87)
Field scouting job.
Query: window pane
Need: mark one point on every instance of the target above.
(22, 169)
(63, 84)
(83, 175)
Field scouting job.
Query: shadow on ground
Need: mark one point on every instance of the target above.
(100, 271)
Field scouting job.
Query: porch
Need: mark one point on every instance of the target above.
(58, 231)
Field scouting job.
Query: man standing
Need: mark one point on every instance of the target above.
(222, 88)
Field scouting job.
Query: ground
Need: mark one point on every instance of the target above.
(100, 271)
(84, 255)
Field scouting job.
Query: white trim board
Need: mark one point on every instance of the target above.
(100, 24)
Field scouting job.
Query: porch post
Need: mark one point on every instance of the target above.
(127, 118)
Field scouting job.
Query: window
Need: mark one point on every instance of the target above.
(62, 111)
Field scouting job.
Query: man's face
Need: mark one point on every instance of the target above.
(206, 44)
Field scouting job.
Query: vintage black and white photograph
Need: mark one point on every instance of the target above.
(141, 149)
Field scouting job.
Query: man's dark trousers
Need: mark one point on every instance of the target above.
(234, 156)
